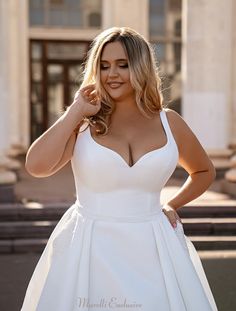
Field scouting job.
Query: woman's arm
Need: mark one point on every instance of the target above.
(54, 148)
(193, 158)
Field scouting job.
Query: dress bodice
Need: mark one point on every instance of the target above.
(103, 178)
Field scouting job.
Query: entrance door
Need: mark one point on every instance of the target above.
(56, 70)
(62, 83)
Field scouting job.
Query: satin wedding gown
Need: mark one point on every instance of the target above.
(114, 248)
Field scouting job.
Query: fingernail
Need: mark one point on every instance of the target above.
(174, 225)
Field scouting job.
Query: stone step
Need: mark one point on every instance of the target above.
(11, 246)
(19, 212)
(201, 243)
(214, 211)
(26, 229)
(209, 226)
(214, 242)
(192, 226)
(10, 212)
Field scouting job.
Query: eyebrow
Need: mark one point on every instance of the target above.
(118, 60)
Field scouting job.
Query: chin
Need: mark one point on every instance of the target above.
(117, 98)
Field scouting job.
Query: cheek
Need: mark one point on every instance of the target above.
(103, 76)
(126, 76)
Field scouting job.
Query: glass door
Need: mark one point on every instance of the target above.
(74, 80)
(63, 82)
(56, 72)
(55, 92)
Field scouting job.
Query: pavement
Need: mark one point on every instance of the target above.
(16, 269)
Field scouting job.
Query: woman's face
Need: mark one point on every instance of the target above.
(115, 76)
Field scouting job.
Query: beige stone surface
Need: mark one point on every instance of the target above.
(220, 153)
(231, 175)
(9, 163)
(207, 70)
(7, 177)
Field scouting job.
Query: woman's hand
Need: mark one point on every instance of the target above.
(171, 214)
(86, 101)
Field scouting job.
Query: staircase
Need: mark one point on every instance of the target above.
(210, 227)
(26, 229)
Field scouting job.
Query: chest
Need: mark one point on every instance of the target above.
(103, 169)
(132, 143)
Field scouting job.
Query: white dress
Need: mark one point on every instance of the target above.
(114, 248)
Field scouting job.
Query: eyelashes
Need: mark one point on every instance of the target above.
(123, 66)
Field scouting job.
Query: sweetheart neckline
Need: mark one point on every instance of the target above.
(141, 158)
(123, 160)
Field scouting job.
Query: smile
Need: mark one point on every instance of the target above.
(114, 85)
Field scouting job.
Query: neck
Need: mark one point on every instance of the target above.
(125, 110)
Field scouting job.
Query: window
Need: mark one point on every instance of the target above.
(65, 13)
(165, 35)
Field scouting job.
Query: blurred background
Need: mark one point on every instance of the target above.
(43, 44)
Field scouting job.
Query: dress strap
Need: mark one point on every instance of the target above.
(166, 124)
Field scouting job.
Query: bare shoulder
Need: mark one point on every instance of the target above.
(176, 122)
(179, 127)
(192, 156)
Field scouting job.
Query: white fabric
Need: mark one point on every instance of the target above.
(114, 248)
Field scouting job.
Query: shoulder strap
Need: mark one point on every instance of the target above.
(165, 122)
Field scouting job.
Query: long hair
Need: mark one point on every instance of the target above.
(144, 76)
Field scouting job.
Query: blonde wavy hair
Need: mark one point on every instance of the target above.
(144, 76)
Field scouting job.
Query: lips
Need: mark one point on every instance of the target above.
(114, 85)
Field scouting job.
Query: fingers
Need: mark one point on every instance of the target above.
(93, 99)
(88, 87)
(179, 219)
(85, 90)
(172, 216)
(89, 94)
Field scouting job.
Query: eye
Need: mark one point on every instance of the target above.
(103, 67)
(123, 65)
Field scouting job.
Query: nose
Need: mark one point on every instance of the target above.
(113, 71)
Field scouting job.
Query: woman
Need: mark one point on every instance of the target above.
(117, 247)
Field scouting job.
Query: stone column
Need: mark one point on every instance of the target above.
(233, 85)
(229, 184)
(23, 129)
(18, 72)
(130, 13)
(7, 177)
(207, 74)
(4, 80)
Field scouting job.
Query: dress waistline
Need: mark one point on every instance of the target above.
(97, 214)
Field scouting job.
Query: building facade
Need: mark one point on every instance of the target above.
(43, 45)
